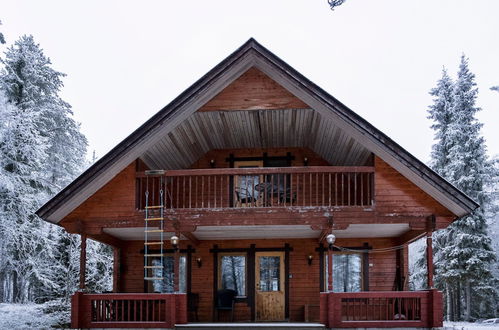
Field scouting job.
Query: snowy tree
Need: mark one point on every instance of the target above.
(41, 150)
(463, 253)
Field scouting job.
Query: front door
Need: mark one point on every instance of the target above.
(269, 286)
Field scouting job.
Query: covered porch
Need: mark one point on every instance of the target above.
(309, 294)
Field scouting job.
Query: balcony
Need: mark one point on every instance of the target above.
(283, 187)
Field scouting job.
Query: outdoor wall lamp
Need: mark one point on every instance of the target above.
(212, 163)
(199, 262)
(310, 258)
(330, 240)
(305, 161)
(174, 240)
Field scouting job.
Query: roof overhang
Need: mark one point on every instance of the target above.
(250, 55)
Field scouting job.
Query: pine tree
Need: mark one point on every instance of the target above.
(463, 253)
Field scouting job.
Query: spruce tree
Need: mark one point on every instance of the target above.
(463, 253)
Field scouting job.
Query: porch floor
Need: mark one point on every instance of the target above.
(250, 326)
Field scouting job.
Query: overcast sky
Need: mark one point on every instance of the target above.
(125, 60)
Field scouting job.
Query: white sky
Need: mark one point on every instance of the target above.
(125, 60)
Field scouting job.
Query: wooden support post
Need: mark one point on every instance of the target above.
(429, 258)
(176, 267)
(83, 260)
(116, 269)
(330, 270)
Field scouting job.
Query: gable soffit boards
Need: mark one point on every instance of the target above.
(251, 54)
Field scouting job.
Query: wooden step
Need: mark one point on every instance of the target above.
(153, 243)
(154, 219)
(153, 267)
(153, 278)
(154, 207)
(154, 255)
(153, 230)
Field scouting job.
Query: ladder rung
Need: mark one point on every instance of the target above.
(154, 207)
(153, 278)
(154, 255)
(154, 230)
(153, 267)
(153, 243)
(152, 219)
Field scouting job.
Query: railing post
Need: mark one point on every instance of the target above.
(116, 269)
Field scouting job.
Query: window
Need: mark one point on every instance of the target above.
(347, 272)
(232, 273)
(167, 284)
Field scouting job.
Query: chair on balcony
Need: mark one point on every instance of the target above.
(225, 302)
(245, 197)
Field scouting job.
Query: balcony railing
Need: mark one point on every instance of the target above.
(319, 186)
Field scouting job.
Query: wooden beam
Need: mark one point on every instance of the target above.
(190, 236)
(83, 260)
(116, 269)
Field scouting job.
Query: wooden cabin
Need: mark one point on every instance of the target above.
(255, 196)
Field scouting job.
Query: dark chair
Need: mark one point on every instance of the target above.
(244, 196)
(192, 304)
(225, 302)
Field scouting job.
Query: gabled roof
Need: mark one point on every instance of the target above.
(253, 55)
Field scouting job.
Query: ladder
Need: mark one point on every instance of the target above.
(154, 223)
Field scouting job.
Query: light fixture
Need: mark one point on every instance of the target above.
(305, 161)
(212, 163)
(310, 258)
(330, 240)
(199, 262)
(174, 240)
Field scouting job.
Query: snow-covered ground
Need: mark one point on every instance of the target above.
(32, 316)
(469, 326)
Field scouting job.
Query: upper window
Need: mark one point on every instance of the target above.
(232, 273)
(347, 272)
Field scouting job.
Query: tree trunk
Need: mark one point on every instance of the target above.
(449, 303)
(468, 300)
(458, 301)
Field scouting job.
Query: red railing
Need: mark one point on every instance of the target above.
(127, 310)
(382, 309)
(317, 186)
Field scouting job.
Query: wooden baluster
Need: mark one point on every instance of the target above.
(215, 191)
(322, 174)
(291, 189)
(202, 191)
(355, 189)
(349, 183)
(317, 199)
(272, 190)
(310, 188)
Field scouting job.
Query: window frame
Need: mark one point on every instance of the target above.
(150, 286)
(325, 269)
(219, 270)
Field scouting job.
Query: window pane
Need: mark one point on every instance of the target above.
(269, 273)
(233, 273)
(347, 272)
(167, 285)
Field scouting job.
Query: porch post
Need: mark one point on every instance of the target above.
(330, 269)
(83, 260)
(429, 258)
(176, 267)
(116, 269)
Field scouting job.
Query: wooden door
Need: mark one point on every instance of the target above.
(269, 286)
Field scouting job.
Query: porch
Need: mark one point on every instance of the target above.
(416, 309)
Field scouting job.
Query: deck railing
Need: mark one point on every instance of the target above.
(317, 186)
(382, 309)
(127, 309)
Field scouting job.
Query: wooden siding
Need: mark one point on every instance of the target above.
(304, 285)
(254, 90)
(397, 195)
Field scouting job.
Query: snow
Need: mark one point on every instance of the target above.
(469, 326)
(32, 316)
